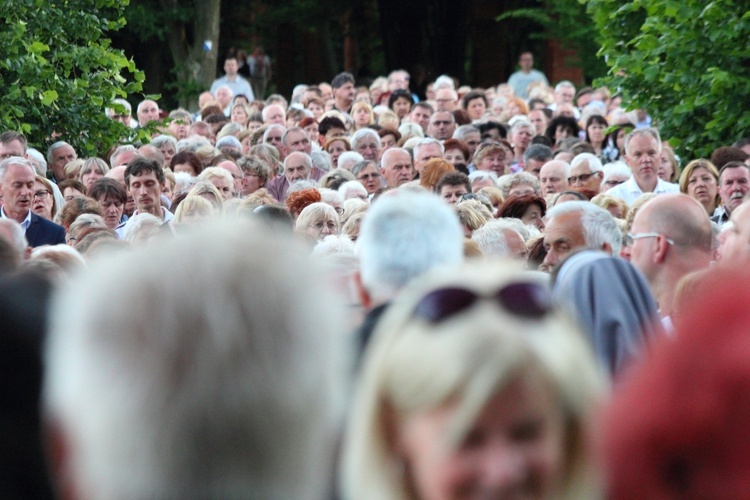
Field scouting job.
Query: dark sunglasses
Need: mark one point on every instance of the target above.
(526, 300)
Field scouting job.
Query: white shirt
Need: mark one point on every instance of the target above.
(630, 190)
(26, 222)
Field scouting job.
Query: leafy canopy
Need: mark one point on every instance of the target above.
(59, 72)
(685, 61)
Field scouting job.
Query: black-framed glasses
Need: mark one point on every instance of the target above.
(42, 194)
(583, 177)
(524, 299)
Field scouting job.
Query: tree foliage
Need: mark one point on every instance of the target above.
(59, 72)
(685, 61)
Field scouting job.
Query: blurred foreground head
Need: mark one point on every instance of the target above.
(212, 374)
(473, 387)
(678, 426)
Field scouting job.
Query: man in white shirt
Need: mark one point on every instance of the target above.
(642, 154)
(145, 180)
(233, 80)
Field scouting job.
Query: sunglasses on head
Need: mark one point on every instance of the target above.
(525, 300)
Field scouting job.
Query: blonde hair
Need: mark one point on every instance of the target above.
(414, 366)
(193, 203)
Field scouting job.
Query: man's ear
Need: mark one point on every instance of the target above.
(364, 296)
(662, 247)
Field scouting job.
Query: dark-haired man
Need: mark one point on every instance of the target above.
(145, 181)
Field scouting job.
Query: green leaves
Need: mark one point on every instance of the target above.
(685, 61)
(59, 72)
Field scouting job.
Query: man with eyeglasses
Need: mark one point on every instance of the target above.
(643, 156)
(586, 172)
(442, 125)
(446, 99)
(17, 178)
(671, 237)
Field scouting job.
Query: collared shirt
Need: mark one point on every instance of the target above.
(239, 86)
(26, 222)
(630, 190)
(120, 230)
(720, 216)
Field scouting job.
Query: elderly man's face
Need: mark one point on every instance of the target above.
(446, 100)
(273, 137)
(734, 184)
(369, 148)
(442, 126)
(296, 168)
(61, 157)
(563, 235)
(298, 141)
(224, 96)
(275, 114)
(552, 178)
(581, 176)
(344, 94)
(426, 153)
(148, 111)
(397, 168)
(565, 95)
(18, 190)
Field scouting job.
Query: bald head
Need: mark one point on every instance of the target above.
(678, 217)
(553, 177)
(118, 174)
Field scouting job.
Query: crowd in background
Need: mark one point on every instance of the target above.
(518, 291)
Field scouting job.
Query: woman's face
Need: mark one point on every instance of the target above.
(42, 201)
(596, 132)
(562, 132)
(316, 110)
(361, 117)
(112, 211)
(454, 157)
(516, 447)
(167, 149)
(702, 186)
(253, 126)
(71, 193)
(401, 107)
(250, 183)
(91, 175)
(494, 162)
(476, 108)
(533, 216)
(335, 149)
(370, 178)
(195, 216)
(522, 138)
(323, 226)
(665, 170)
(313, 132)
(239, 115)
(387, 142)
(620, 140)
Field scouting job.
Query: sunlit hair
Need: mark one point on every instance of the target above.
(205, 188)
(433, 171)
(470, 216)
(413, 366)
(192, 203)
(220, 379)
(691, 167)
(315, 212)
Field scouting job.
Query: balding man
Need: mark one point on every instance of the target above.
(554, 177)
(671, 237)
(396, 167)
(297, 166)
(586, 172)
(274, 114)
(147, 111)
(446, 99)
(643, 156)
(442, 125)
(424, 151)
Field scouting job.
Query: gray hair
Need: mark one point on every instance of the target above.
(492, 238)
(229, 140)
(13, 160)
(363, 133)
(461, 132)
(599, 227)
(404, 236)
(444, 82)
(615, 168)
(119, 151)
(53, 147)
(643, 132)
(508, 182)
(349, 187)
(564, 84)
(273, 127)
(425, 142)
(482, 175)
(162, 389)
(349, 156)
(322, 160)
(522, 123)
(313, 212)
(360, 166)
(595, 164)
(138, 223)
(37, 159)
(161, 140)
(308, 160)
(537, 152)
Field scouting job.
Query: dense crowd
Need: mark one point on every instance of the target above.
(508, 292)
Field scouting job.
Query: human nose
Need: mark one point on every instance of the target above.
(503, 468)
(550, 259)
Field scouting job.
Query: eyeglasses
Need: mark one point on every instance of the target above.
(638, 236)
(525, 300)
(583, 178)
(42, 194)
(364, 177)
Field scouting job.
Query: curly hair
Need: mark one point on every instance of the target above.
(297, 201)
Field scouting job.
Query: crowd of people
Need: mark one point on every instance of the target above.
(518, 291)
